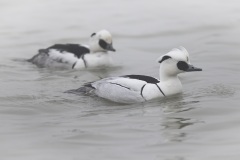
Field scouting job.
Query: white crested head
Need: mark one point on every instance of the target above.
(178, 54)
(101, 41)
(174, 62)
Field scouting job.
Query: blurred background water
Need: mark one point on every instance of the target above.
(39, 121)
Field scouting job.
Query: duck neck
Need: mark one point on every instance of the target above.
(164, 76)
(170, 84)
(94, 48)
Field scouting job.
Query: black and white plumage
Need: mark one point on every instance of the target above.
(140, 88)
(77, 56)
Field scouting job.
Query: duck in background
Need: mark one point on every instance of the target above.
(77, 56)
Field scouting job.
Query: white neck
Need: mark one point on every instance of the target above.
(170, 84)
(164, 74)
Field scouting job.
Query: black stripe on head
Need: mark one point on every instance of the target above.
(182, 65)
(164, 58)
(103, 44)
(93, 34)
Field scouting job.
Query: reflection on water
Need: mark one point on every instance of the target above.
(173, 128)
(174, 124)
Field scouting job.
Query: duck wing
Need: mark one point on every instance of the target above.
(76, 49)
(124, 89)
(59, 54)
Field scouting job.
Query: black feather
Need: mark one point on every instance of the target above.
(103, 44)
(182, 65)
(147, 79)
(93, 34)
(164, 58)
(76, 49)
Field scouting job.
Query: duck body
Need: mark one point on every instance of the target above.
(60, 56)
(130, 88)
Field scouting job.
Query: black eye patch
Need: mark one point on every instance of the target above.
(93, 34)
(164, 58)
(182, 65)
(103, 44)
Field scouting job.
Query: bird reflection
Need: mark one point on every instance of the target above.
(176, 123)
(172, 122)
(172, 126)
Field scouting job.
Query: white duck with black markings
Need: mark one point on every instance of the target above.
(77, 56)
(140, 88)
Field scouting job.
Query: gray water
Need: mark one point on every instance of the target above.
(40, 122)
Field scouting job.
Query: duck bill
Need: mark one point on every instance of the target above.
(191, 68)
(110, 47)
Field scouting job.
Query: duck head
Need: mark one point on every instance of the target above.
(174, 62)
(101, 42)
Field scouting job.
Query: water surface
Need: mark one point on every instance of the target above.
(39, 121)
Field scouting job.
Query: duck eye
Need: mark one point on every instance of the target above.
(93, 34)
(164, 58)
(182, 65)
(103, 44)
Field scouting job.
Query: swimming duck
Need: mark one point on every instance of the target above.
(140, 88)
(77, 56)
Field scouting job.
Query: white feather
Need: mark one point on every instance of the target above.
(64, 57)
(111, 88)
